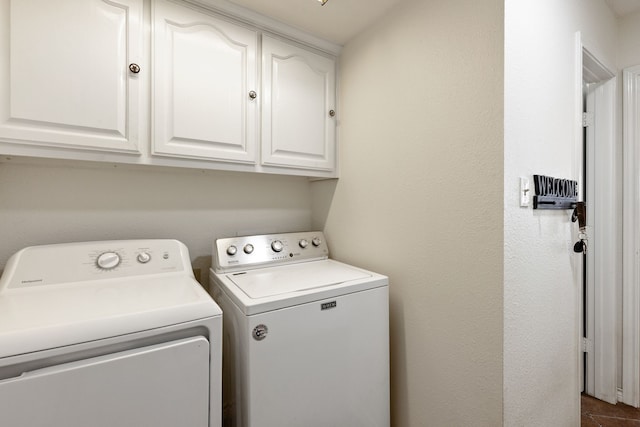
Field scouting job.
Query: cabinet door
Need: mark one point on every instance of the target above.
(205, 69)
(64, 73)
(299, 93)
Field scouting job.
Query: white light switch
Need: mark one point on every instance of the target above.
(524, 192)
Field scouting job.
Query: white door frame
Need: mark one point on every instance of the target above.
(631, 236)
(602, 273)
(603, 276)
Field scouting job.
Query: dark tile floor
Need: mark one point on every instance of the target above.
(596, 413)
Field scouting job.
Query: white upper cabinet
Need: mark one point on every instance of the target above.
(205, 102)
(64, 74)
(298, 116)
(165, 82)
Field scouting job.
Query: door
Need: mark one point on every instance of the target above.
(164, 385)
(298, 109)
(602, 268)
(65, 77)
(205, 99)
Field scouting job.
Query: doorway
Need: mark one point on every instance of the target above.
(601, 266)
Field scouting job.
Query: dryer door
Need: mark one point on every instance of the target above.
(161, 385)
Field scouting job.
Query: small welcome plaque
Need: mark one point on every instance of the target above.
(554, 193)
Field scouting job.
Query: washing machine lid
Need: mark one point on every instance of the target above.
(295, 278)
(266, 289)
(39, 310)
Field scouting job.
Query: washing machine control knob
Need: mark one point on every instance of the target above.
(248, 248)
(316, 241)
(231, 250)
(303, 243)
(277, 246)
(108, 260)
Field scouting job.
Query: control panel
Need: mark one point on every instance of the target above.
(86, 261)
(246, 252)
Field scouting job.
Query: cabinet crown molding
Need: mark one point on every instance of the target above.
(265, 23)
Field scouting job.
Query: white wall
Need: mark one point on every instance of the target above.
(420, 199)
(541, 296)
(63, 202)
(629, 41)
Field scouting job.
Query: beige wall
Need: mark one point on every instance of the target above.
(53, 202)
(420, 199)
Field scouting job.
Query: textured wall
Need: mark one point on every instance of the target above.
(420, 199)
(67, 202)
(541, 295)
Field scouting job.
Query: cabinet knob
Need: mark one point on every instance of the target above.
(134, 68)
(332, 113)
(253, 94)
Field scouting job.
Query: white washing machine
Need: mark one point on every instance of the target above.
(306, 338)
(105, 334)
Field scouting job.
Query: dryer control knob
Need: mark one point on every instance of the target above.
(248, 248)
(143, 257)
(303, 243)
(316, 241)
(108, 260)
(277, 246)
(231, 250)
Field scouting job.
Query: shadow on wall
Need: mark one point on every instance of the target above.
(322, 192)
(398, 362)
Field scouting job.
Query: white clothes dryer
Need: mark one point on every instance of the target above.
(306, 338)
(103, 334)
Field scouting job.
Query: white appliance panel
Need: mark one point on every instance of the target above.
(67, 263)
(243, 253)
(33, 319)
(320, 367)
(287, 285)
(163, 385)
(294, 278)
(57, 295)
(113, 333)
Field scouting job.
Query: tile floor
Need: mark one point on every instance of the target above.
(596, 413)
